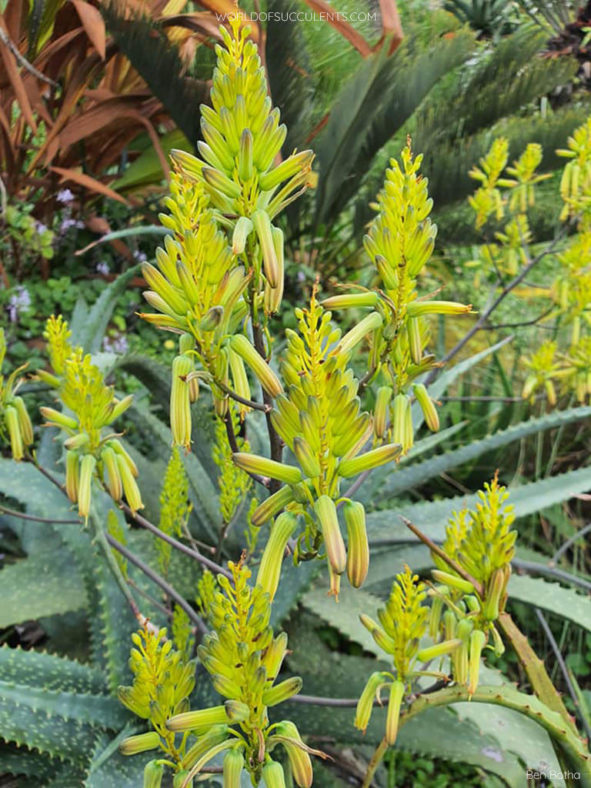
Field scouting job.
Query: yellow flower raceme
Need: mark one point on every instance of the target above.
(482, 544)
(244, 659)
(90, 451)
(15, 423)
(163, 679)
(402, 625)
(399, 243)
(319, 417)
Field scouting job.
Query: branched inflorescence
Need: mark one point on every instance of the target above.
(399, 243)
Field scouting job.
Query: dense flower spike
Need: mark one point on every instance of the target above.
(224, 259)
(90, 450)
(16, 428)
(399, 243)
(482, 544)
(402, 624)
(162, 683)
(319, 418)
(244, 659)
(174, 506)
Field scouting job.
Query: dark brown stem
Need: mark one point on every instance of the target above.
(159, 581)
(275, 442)
(202, 559)
(442, 554)
(265, 408)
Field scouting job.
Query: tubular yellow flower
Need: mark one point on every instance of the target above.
(14, 431)
(111, 471)
(252, 463)
(130, 488)
(262, 226)
(326, 512)
(380, 415)
(367, 698)
(282, 692)
(270, 566)
(357, 544)
(427, 406)
(87, 467)
(353, 337)
(202, 720)
(273, 775)
(232, 768)
(417, 308)
(140, 743)
(393, 713)
(72, 475)
(272, 505)
(153, 774)
(348, 300)
(180, 401)
(477, 643)
(26, 428)
(369, 460)
(299, 760)
(268, 379)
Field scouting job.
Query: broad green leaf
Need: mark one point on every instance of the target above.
(432, 517)
(44, 584)
(344, 614)
(400, 480)
(49, 672)
(551, 597)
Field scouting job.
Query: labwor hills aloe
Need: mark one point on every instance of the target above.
(335, 405)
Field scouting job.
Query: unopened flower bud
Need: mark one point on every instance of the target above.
(140, 743)
(357, 544)
(268, 379)
(273, 776)
(153, 774)
(427, 406)
(393, 713)
(369, 460)
(252, 463)
(326, 512)
(282, 692)
(270, 567)
(232, 770)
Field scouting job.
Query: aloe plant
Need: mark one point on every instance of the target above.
(268, 461)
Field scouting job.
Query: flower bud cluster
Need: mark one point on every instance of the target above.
(320, 419)
(15, 423)
(89, 407)
(162, 682)
(243, 659)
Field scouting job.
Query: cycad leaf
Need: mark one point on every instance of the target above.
(158, 61)
(371, 107)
